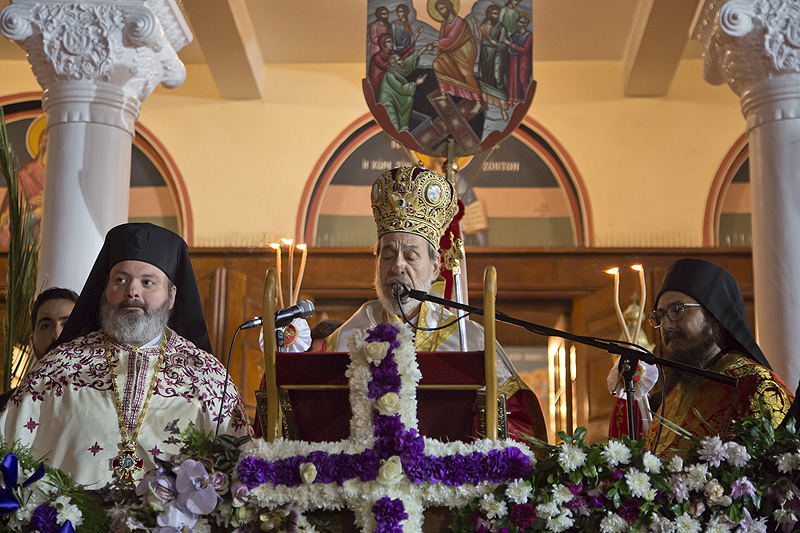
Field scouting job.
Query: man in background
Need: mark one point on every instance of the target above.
(49, 313)
(701, 316)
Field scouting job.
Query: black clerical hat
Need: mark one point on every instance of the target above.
(154, 245)
(715, 288)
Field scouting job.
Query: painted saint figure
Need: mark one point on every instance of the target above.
(458, 52)
(396, 92)
(379, 62)
(509, 15)
(402, 32)
(520, 47)
(378, 28)
(494, 56)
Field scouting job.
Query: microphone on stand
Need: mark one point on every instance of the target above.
(401, 292)
(303, 309)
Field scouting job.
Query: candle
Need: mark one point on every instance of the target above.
(640, 269)
(626, 334)
(304, 248)
(289, 242)
(277, 247)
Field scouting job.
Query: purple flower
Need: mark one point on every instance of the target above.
(617, 474)
(575, 489)
(519, 464)
(157, 488)
(742, 487)
(629, 510)
(239, 493)
(385, 378)
(368, 465)
(175, 520)
(523, 515)
(680, 492)
(713, 450)
(219, 480)
(455, 470)
(579, 505)
(388, 515)
(383, 333)
(254, 471)
(45, 520)
(195, 493)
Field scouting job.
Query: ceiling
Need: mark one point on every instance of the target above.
(237, 37)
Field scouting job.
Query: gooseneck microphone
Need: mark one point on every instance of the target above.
(303, 309)
(401, 292)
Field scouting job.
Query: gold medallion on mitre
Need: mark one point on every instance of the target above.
(413, 200)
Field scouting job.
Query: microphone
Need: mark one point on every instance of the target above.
(303, 309)
(400, 292)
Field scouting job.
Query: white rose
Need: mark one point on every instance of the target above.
(390, 472)
(388, 404)
(374, 352)
(308, 473)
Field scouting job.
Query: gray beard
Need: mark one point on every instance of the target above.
(131, 328)
(389, 302)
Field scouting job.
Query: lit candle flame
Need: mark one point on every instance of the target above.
(615, 272)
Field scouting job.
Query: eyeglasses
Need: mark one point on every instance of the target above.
(674, 312)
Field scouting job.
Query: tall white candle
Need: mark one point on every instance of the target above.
(626, 334)
(643, 298)
(277, 247)
(304, 248)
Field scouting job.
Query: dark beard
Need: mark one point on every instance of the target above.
(131, 328)
(696, 354)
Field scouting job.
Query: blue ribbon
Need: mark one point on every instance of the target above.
(67, 528)
(9, 469)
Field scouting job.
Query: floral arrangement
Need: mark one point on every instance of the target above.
(386, 472)
(748, 484)
(34, 497)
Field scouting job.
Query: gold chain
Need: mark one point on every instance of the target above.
(123, 431)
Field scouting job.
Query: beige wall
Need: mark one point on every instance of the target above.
(647, 163)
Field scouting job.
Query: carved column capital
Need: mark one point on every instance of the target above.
(126, 47)
(754, 47)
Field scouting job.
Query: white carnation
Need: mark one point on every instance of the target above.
(561, 494)
(518, 491)
(787, 462)
(638, 482)
(737, 454)
(571, 457)
(613, 523)
(616, 453)
(652, 464)
(696, 476)
(686, 524)
(547, 510)
(718, 525)
(68, 511)
(562, 522)
(675, 464)
(492, 507)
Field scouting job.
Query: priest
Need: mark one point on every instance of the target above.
(132, 367)
(413, 207)
(701, 315)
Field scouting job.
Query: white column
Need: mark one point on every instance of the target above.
(754, 47)
(96, 60)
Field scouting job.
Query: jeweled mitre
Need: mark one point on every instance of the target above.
(413, 200)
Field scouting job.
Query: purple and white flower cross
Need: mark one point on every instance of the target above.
(385, 472)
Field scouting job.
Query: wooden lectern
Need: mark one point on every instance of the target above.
(307, 394)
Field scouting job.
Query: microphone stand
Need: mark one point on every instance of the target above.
(630, 354)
